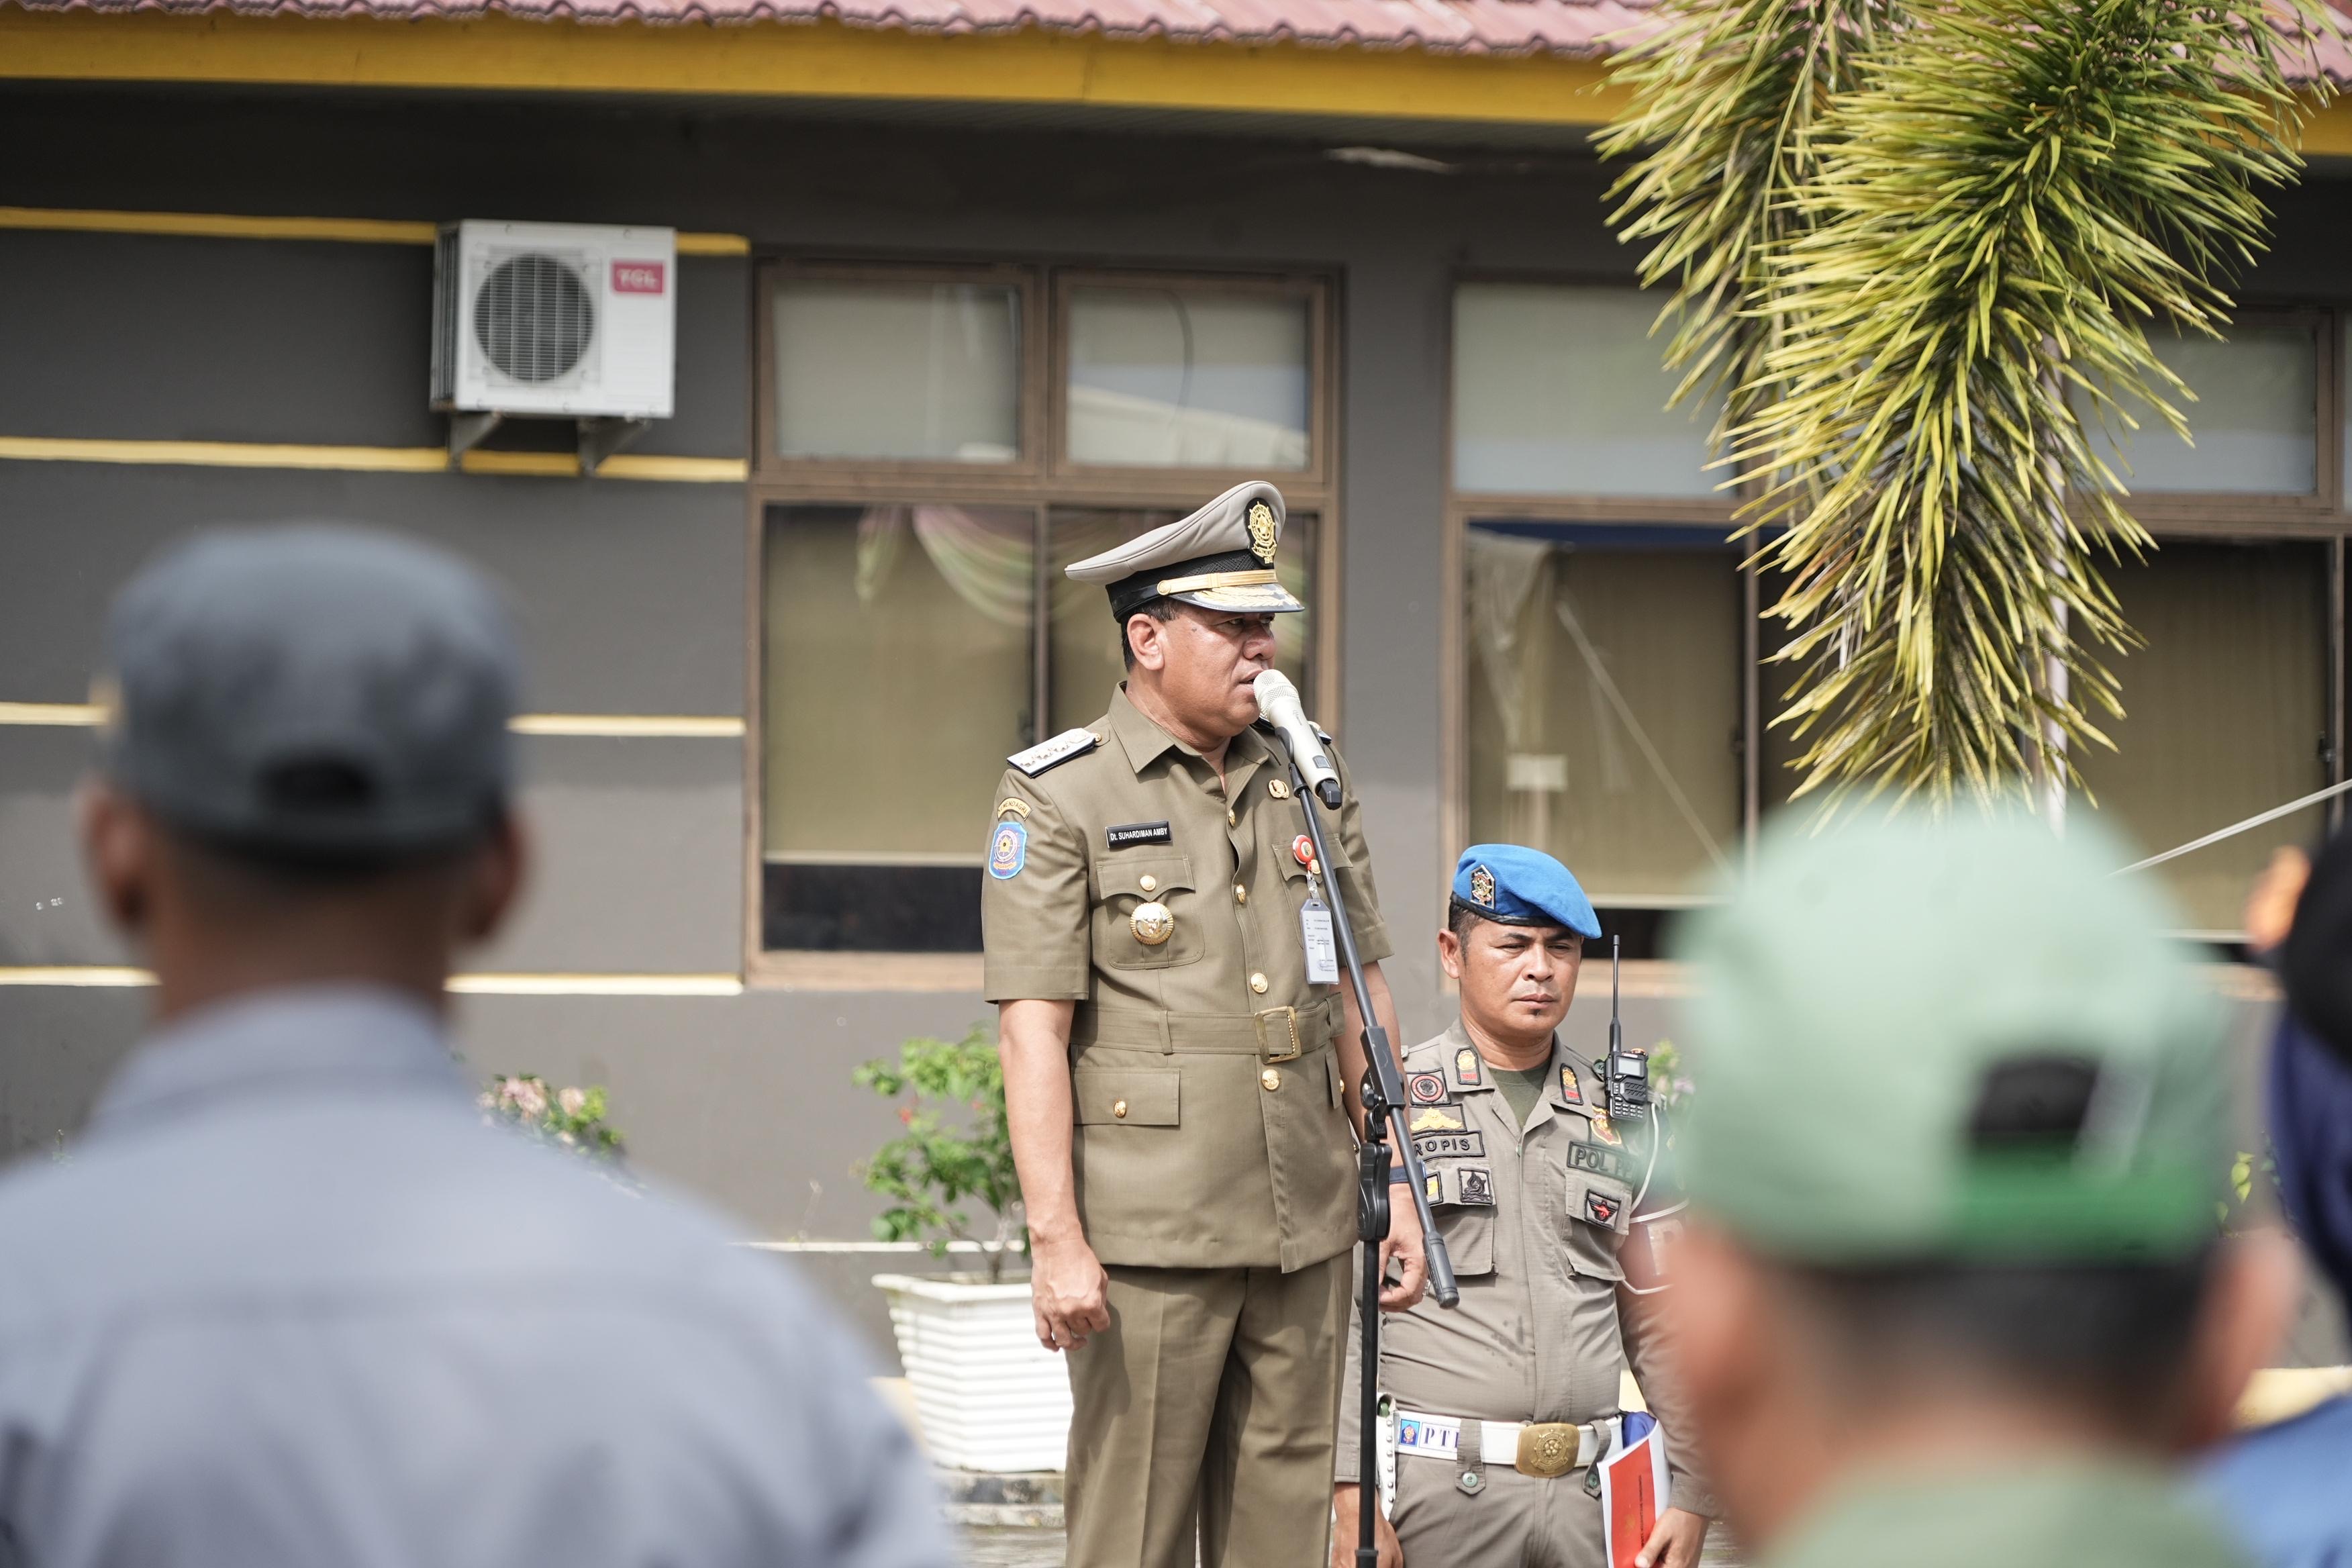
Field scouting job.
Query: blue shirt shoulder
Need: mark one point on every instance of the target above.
(2287, 1489)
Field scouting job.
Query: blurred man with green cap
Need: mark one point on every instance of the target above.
(1953, 1290)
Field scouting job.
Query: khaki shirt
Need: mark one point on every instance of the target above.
(1211, 1131)
(1534, 1219)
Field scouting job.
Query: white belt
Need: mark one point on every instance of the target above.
(1535, 1448)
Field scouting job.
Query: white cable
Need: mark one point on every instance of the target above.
(1658, 1138)
(2273, 814)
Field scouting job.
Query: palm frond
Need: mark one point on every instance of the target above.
(1960, 258)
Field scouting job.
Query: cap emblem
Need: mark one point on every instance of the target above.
(1482, 887)
(1262, 531)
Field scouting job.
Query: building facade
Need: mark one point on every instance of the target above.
(954, 310)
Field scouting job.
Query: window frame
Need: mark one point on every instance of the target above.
(1040, 481)
(881, 473)
(1307, 287)
(2263, 513)
(2225, 516)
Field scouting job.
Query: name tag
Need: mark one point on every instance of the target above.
(1129, 835)
(1601, 1160)
(1450, 1145)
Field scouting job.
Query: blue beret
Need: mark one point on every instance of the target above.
(1519, 886)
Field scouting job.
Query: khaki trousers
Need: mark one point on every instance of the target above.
(1208, 1410)
(1511, 1522)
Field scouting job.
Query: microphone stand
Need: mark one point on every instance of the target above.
(1385, 1111)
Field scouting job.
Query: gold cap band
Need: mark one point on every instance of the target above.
(1216, 580)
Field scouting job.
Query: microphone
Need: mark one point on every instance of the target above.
(1278, 702)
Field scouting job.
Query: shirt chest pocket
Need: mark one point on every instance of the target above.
(1600, 1210)
(1146, 912)
(1464, 1212)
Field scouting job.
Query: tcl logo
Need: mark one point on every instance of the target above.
(638, 277)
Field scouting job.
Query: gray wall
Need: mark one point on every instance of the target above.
(633, 594)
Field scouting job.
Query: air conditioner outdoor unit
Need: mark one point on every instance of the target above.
(551, 320)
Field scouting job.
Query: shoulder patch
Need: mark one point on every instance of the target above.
(1008, 850)
(1054, 753)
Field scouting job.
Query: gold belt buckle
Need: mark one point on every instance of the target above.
(1284, 1045)
(1547, 1449)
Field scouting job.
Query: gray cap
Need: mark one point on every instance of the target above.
(312, 692)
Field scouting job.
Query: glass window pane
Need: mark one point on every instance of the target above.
(896, 679)
(1559, 390)
(1187, 378)
(1604, 700)
(2225, 712)
(2254, 421)
(908, 371)
(1085, 667)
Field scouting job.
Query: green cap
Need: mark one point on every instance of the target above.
(1962, 1039)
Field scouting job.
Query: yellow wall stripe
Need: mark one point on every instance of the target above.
(367, 459)
(225, 225)
(610, 726)
(66, 715)
(647, 726)
(824, 59)
(224, 454)
(625, 466)
(493, 984)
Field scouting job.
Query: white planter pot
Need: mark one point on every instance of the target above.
(989, 1396)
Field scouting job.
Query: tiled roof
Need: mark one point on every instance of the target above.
(1576, 27)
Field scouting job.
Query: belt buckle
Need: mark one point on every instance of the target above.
(1287, 1018)
(1547, 1449)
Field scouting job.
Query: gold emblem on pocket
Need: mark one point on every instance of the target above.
(1152, 923)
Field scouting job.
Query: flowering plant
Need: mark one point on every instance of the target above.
(935, 1164)
(568, 1118)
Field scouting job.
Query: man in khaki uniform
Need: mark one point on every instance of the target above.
(1182, 1092)
(1502, 1406)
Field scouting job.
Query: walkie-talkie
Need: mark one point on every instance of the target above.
(1624, 1075)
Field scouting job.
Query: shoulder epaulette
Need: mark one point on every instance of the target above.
(1053, 753)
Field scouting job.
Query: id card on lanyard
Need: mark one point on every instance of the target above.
(1315, 936)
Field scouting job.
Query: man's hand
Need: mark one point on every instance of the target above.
(1675, 1542)
(1403, 1244)
(1068, 1293)
(1346, 1501)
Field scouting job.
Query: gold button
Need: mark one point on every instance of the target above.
(1257, 984)
(1148, 882)
(1240, 894)
(1271, 1080)
(1231, 820)
(1118, 1109)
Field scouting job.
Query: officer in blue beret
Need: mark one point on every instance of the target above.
(1498, 1410)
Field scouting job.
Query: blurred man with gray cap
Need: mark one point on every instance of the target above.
(290, 1302)
(1953, 1291)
